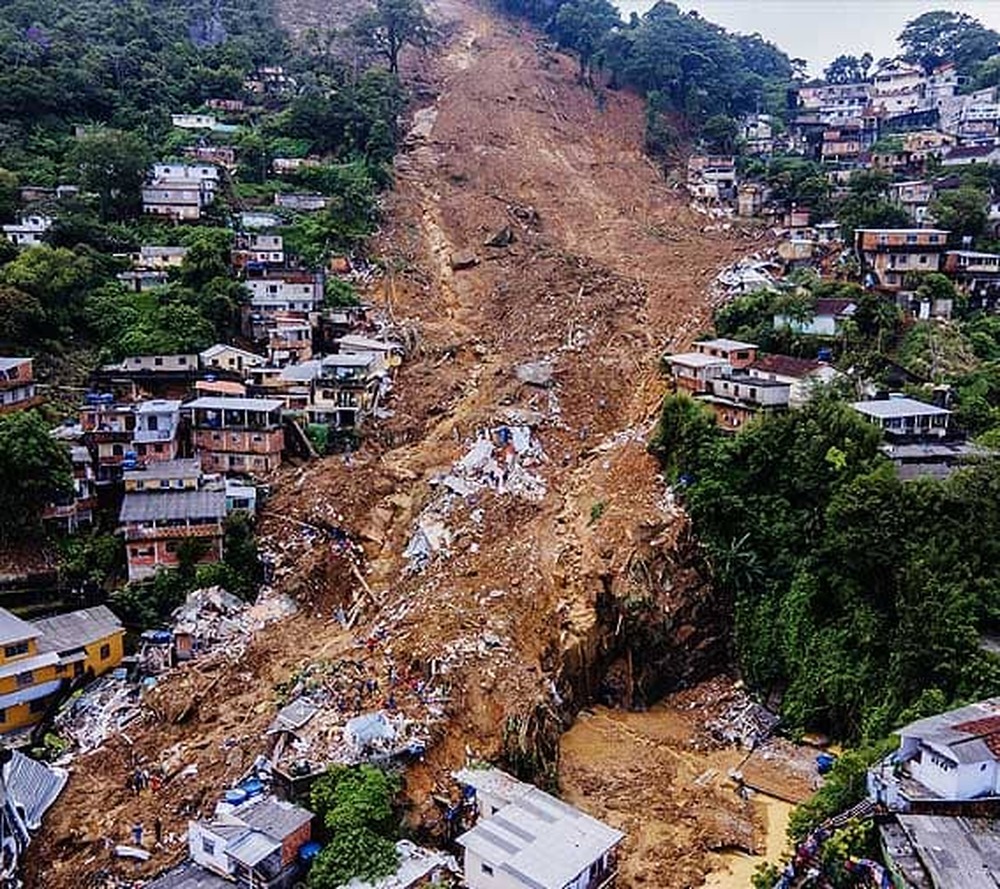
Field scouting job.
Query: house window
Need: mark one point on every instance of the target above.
(158, 362)
(933, 239)
(3, 715)
(487, 869)
(60, 669)
(172, 546)
(158, 448)
(16, 649)
(25, 679)
(38, 705)
(105, 651)
(207, 846)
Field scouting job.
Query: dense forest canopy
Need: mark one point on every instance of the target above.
(685, 64)
(861, 598)
(120, 62)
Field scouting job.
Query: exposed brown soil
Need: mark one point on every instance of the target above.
(607, 267)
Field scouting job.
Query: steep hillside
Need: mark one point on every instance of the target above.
(601, 267)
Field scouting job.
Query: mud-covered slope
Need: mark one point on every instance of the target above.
(605, 266)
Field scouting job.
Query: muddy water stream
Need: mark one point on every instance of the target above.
(655, 776)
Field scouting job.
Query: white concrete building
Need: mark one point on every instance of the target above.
(527, 839)
(29, 230)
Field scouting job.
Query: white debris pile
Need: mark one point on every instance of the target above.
(213, 617)
(105, 708)
(743, 276)
(501, 460)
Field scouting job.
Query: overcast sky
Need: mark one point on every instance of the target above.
(821, 30)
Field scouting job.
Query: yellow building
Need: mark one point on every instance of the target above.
(38, 658)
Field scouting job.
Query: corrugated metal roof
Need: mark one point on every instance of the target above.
(539, 841)
(252, 848)
(726, 344)
(958, 853)
(33, 786)
(212, 403)
(889, 408)
(13, 629)
(175, 506)
(64, 632)
(166, 469)
(189, 876)
(276, 818)
(696, 359)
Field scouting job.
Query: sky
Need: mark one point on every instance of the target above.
(821, 30)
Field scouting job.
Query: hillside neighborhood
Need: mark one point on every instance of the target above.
(351, 462)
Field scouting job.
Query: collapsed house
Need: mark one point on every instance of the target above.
(27, 790)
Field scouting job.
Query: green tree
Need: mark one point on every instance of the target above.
(34, 470)
(57, 277)
(390, 26)
(9, 195)
(684, 431)
(22, 317)
(940, 36)
(354, 852)
(356, 806)
(963, 212)
(114, 165)
(582, 26)
(720, 133)
(848, 69)
(207, 257)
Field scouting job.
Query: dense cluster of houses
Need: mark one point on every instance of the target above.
(173, 444)
(919, 127)
(170, 445)
(736, 383)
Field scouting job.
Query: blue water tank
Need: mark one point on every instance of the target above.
(825, 762)
(308, 851)
(235, 796)
(253, 786)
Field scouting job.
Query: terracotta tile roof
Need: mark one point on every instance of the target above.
(987, 729)
(786, 365)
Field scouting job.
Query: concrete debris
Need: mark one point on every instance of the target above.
(502, 238)
(499, 460)
(535, 373)
(349, 712)
(744, 276)
(464, 260)
(744, 722)
(208, 618)
(417, 866)
(104, 708)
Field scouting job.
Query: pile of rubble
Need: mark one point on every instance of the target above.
(210, 617)
(210, 626)
(754, 272)
(351, 711)
(106, 708)
(500, 460)
(744, 722)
